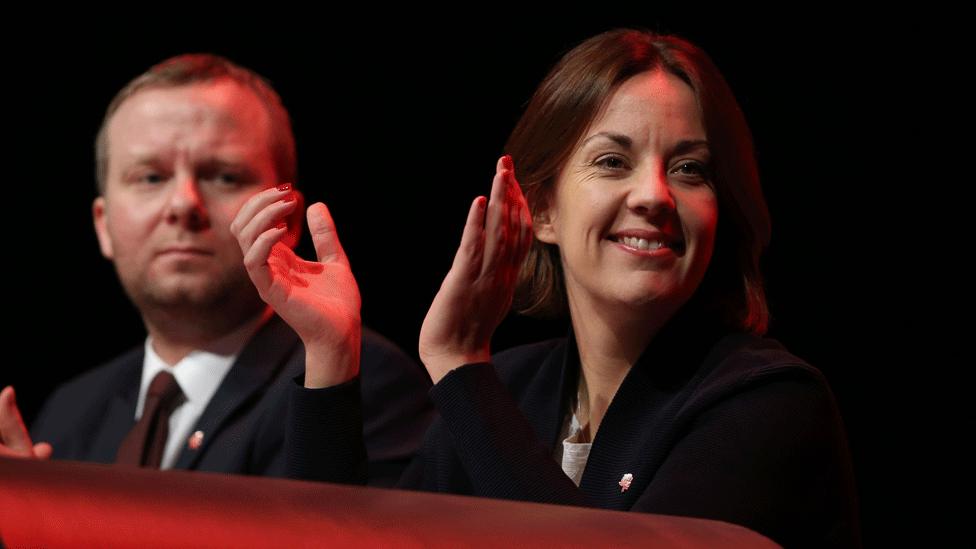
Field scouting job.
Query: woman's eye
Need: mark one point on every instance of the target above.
(611, 162)
(693, 169)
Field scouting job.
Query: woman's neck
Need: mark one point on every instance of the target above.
(609, 343)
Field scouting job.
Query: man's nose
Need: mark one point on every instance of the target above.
(186, 205)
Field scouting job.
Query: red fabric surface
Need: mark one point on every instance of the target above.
(68, 504)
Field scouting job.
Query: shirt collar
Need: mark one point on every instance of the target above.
(199, 373)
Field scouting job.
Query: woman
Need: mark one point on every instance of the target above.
(642, 193)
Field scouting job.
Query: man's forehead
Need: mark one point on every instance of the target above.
(223, 99)
(219, 113)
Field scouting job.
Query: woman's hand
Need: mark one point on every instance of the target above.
(477, 292)
(318, 299)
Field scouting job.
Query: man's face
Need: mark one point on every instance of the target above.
(181, 163)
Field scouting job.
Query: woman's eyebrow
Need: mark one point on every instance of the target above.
(690, 145)
(618, 138)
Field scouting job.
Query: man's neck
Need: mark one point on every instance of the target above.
(173, 338)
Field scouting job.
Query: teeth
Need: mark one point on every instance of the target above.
(642, 244)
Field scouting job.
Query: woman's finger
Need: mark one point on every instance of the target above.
(269, 217)
(257, 203)
(495, 222)
(468, 258)
(328, 249)
(256, 257)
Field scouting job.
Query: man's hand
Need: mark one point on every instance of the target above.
(15, 441)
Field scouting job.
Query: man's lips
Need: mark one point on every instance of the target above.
(188, 251)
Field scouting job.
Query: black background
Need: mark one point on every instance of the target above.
(398, 128)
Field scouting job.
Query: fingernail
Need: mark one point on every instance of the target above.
(281, 226)
(284, 187)
(289, 198)
(507, 162)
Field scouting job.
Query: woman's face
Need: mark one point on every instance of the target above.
(633, 210)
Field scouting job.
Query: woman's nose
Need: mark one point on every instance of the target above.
(651, 194)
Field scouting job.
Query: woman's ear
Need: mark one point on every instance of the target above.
(543, 223)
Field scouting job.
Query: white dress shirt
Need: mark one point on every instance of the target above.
(199, 374)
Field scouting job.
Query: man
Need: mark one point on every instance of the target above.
(181, 148)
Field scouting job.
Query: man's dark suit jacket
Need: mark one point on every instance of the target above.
(244, 423)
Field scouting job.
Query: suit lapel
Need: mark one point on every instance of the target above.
(255, 368)
(119, 412)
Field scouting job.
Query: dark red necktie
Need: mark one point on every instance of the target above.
(146, 441)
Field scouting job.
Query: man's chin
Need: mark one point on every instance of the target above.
(182, 298)
(192, 294)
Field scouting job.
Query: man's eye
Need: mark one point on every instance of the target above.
(230, 178)
(151, 177)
